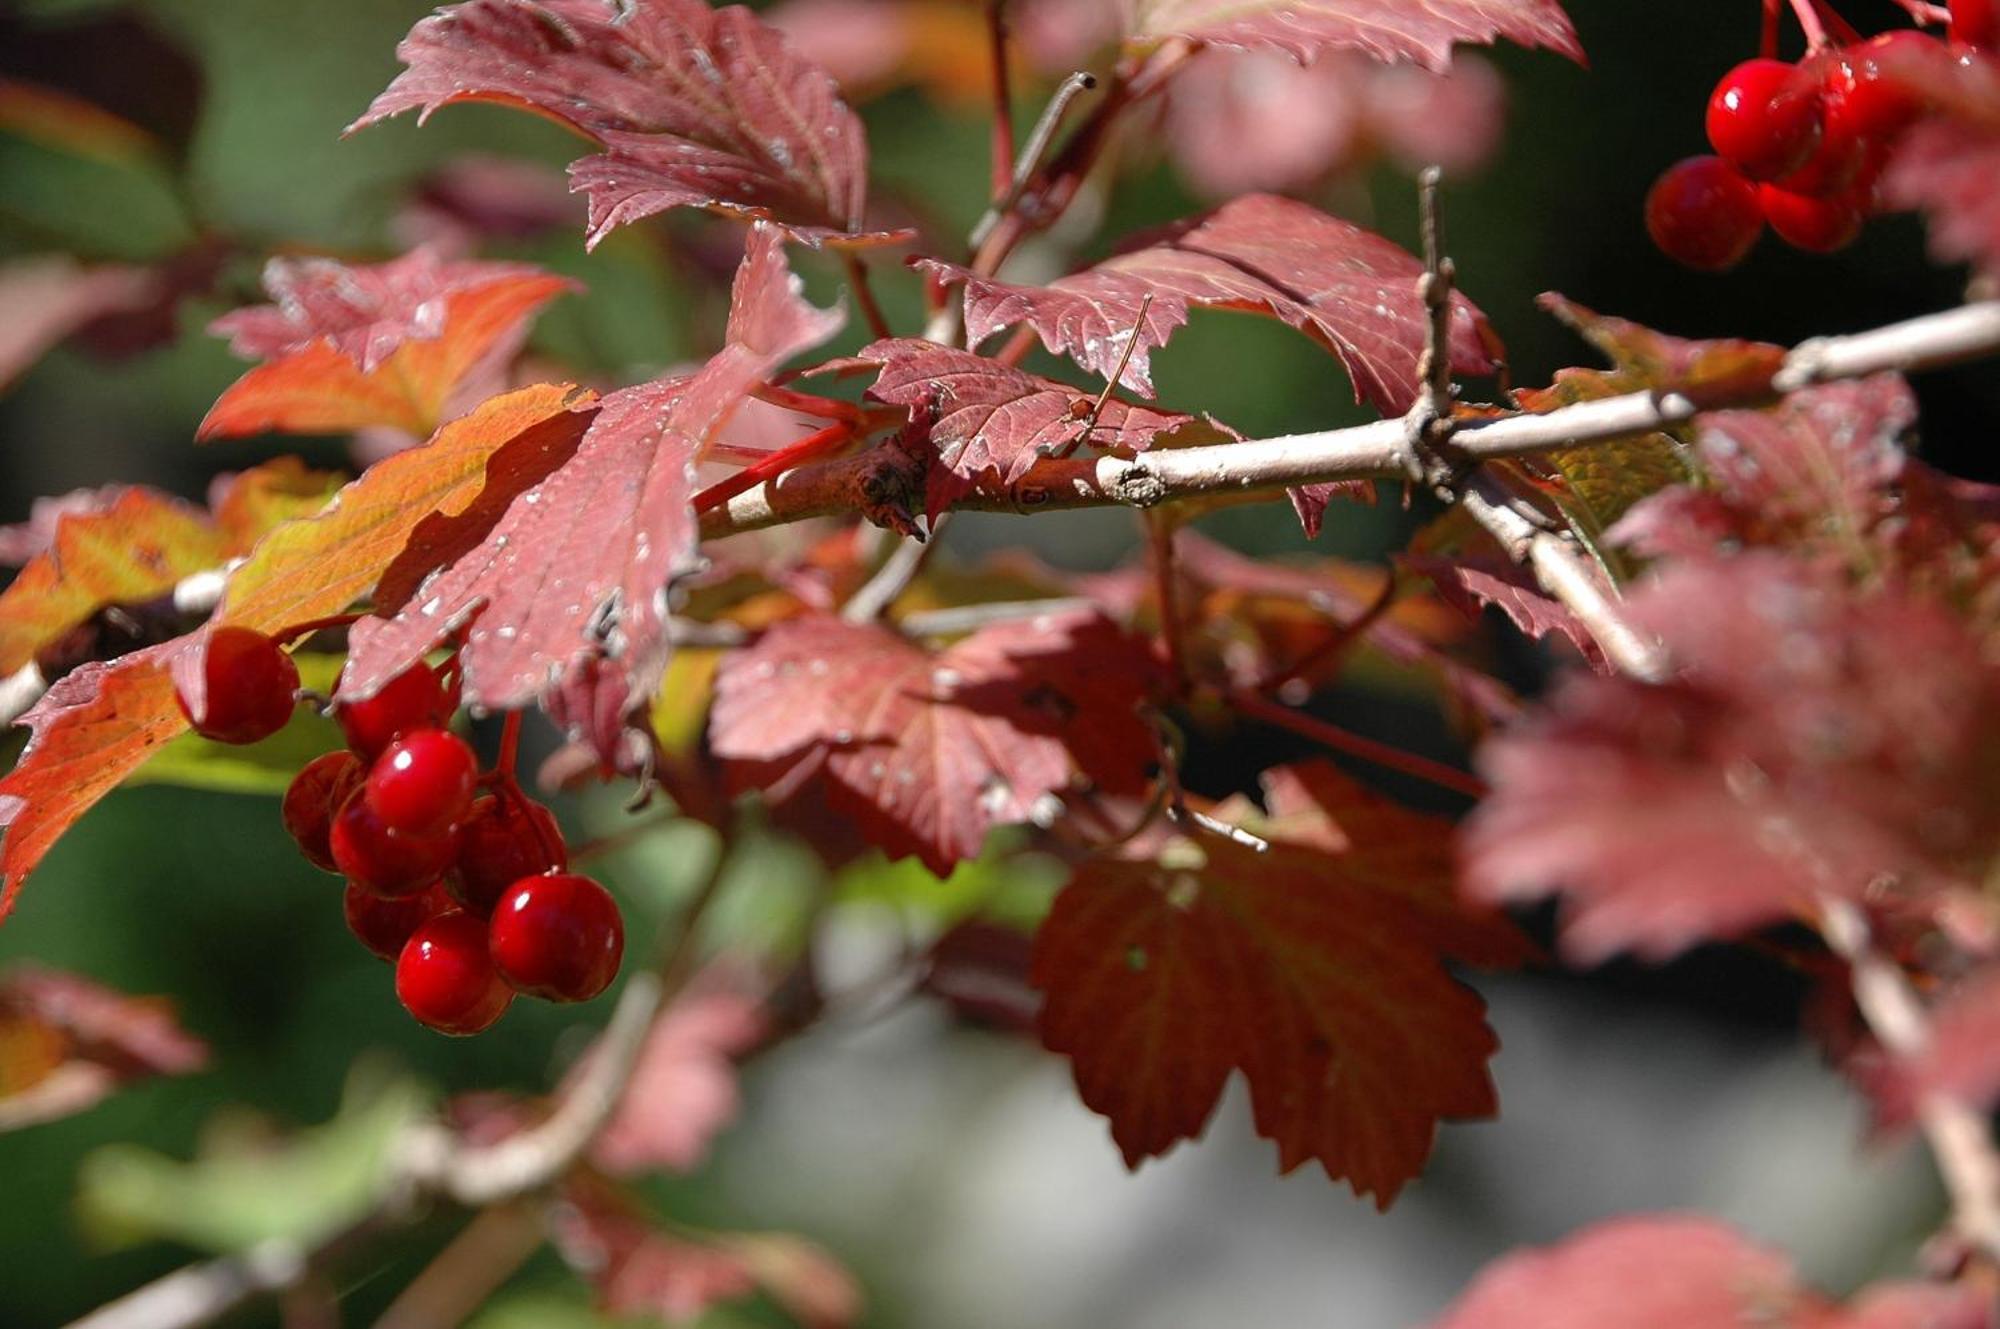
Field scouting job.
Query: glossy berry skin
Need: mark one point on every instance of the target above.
(422, 783)
(378, 859)
(1865, 94)
(315, 794)
(413, 699)
(1764, 117)
(383, 925)
(558, 937)
(1976, 22)
(1817, 225)
(504, 840)
(1702, 213)
(249, 681)
(445, 978)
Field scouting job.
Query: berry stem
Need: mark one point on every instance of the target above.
(298, 631)
(806, 403)
(1767, 39)
(1807, 13)
(773, 465)
(1003, 98)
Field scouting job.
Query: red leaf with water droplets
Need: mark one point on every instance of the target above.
(66, 1042)
(580, 565)
(1419, 30)
(693, 107)
(1674, 1271)
(990, 422)
(1325, 991)
(1348, 289)
(1814, 740)
(349, 346)
(929, 751)
(1471, 584)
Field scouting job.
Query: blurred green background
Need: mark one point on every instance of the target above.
(951, 1168)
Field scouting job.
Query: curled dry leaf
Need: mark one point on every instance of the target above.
(1815, 740)
(693, 107)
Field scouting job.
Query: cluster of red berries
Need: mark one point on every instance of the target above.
(460, 879)
(1799, 146)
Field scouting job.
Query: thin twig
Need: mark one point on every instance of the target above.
(1166, 591)
(1111, 383)
(893, 577)
(1379, 449)
(1386, 755)
(1032, 152)
(1003, 97)
(1959, 1138)
(470, 1268)
(864, 294)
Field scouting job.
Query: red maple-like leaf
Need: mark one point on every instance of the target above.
(580, 566)
(1675, 1271)
(66, 1042)
(991, 422)
(694, 107)
(1814, 740)
(1948, 165)
(384, 344)
(1328, 994)
(928, 752)
(1813, 473)
(1348, 289)
(1424, 31)
(1471, 584)
(683, 1091)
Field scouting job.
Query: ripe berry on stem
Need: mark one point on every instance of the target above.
(1701, 212)
(445, 978)
(1976, 22)
(1764, 116)
(315, 794)
(386, 862)
(249, 684)
(414, 699)
(504, 839)
(384, 925)
(422, 782)
(1818, 225)
(558, 937)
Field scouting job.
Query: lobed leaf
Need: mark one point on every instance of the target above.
(578, 568)
(1673, 1271)
(130, 547)
(1816, 740)
(928, 752)
(1419, 30)
(385, 344)
(1327, 993)
(1348, 289)
(693, 107)
(1948, 165)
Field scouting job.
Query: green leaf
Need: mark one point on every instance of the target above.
(247, 1187)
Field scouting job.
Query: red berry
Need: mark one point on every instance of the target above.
(1701, 212)
(315, 794)
(558, 937)
(413, 699)
(1866, 93)
(445, 978)
(248, 684)
(422, 783)
(1975, 22)
(1764, 117)
(383, 925)
(504, 840)
(1819, 225)
(386, 862)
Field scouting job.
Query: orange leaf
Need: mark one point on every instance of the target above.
(98, 724)
(132, 550)
(320, 390)
(253, 503)
(1327, 994)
